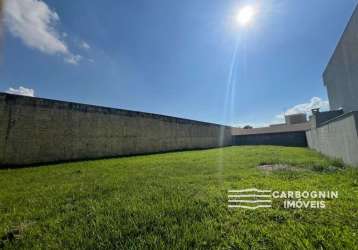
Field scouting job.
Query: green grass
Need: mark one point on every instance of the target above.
(177, 201)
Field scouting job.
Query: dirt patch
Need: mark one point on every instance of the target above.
(279, 167)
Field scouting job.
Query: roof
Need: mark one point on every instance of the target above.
(272, 129)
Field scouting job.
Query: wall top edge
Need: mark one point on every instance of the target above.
(12, 99)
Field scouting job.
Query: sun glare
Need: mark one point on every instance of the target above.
(246, 15)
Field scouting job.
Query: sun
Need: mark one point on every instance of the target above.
(246, 15)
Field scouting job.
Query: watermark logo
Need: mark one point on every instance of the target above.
(251, 198)
(254, 198)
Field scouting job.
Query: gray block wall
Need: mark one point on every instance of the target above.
(337, 138)
(36, 130)
(341, 73)
(294, 139)
(319, 118)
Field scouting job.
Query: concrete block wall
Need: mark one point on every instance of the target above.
(294, 139)
(36, 130)
(341, 73)
(319, 118)
(337, 138)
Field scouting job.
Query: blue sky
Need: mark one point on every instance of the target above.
(174, 57)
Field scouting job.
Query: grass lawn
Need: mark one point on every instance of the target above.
(177, 201)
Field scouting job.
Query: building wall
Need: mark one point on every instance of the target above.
(295, 119)
(337, 138)
(341, 73)
(319, 118)
(35, 130)
(295, 139)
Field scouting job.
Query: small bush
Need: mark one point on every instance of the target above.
(338, 163)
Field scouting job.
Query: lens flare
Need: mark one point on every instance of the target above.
(246, 15)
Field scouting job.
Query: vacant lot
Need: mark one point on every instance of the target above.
(176, 201)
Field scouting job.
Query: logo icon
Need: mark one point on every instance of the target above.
(251, 198)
